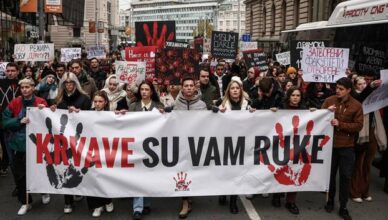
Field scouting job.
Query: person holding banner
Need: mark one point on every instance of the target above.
(114, 89)
(15, 120)
(172, 93)
(347, 122)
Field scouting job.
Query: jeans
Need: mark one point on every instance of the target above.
(139, 203)
(343, 158)
(19, 160)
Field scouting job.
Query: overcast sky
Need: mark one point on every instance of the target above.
(124, 4)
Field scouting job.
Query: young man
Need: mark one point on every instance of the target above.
(347, 122)
(87, 83)
(97, 73)
(15, 120)
(209, 92)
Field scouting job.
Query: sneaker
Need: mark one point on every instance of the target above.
(24, 209)
(358, 200)
(344, 213)
(137, 216)
(78, 198)
(45, 199)
(329, 206)
(97, 211)
(369, 199)
(109, 207)
(292, 208)
(4, 172)
(68, 209)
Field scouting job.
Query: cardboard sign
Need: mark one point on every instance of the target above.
(378, 99)
(143, 54)
(130, 72)
(96, 51)
(283, 58)
(3, 66)
(174, 63)
(245, 46)
(296, 49)
(145, 36)
(224, 44)
(53, 6)
(324, 64)
(34, 52)
(256, 58)
(69, 54)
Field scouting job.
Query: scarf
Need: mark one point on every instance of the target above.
(379, 131)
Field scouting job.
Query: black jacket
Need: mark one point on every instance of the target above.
(77, 100)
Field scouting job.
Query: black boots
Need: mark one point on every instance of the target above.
(233, 205)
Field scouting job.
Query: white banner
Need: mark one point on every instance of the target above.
(284, 58)
(69, 54)
(34, 52)
(130, 72)
(246, 46)
(96, 51)
(378, 99)
(324, 64)
(183, 153)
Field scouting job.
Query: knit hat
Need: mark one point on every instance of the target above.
(46, 72)
(237, 80)
(291, 70)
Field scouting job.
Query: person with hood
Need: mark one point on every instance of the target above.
(249, 83)
(114, 90)
(48, 87)
(87, 83)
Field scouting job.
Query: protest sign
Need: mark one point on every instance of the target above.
(174, 63)
(145, 35)
(9, 89)
(245, 46)
(378, 99)
(96, 51)
(296, 50)
(143, 54)
(256, 58)
(69, 54)
(3, 66)
(324, 64)
(283, 58)
(224, 44)
(182, 153)
(34, 52)
(53, 6)
(130, 72)
(371, 58)
(170, 44)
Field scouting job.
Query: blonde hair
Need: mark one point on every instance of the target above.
(243, 94)
(61, 89)
(27, 81)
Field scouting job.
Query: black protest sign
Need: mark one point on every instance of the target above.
(154, 33)
(9, 89)
(296, 49)
(224, 44)
(372, 59)
(256, 58)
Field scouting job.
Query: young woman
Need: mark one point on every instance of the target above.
(235, 99)
(130, 98)
(98, 204)
(114, 90)
(148, 99)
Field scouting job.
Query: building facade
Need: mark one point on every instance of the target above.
(186, 14)
(265, 19)
(230, 13)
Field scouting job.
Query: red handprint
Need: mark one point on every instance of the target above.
(295, 174)
(153, 39)
(180, 183)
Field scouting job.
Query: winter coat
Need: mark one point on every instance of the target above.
(114, 96)
(77, 100)
(87, 84)
(209, 93)
(181, 103)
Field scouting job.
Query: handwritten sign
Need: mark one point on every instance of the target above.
(96, 51)
(69, 54)
(256, 58)
(130, 72)
(245, 46)
(324, 64)
(283, 58)
(371, 59)
(296, 49)
(34, 52)
(379, 97)
(224, 44)
(3, 66)
(143, 54)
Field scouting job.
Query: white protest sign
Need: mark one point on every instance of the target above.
(130, 72)
(245, 46)
(96, 51)
(284, 58)
(34, 52)
(378, 98)
(3, 66)
(182, 153)
(69, 54)
(324, 64)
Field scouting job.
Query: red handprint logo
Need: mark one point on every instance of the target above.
(294, 174)
(158, 38)
(180, 182)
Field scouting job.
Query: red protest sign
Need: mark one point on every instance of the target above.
(143, 54)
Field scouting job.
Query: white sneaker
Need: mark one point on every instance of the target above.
(369, 198)
(265, 195)
(24, 209)
(109, 207)
(68, 209)
(45, 199)
(97, 211)
(359, 200)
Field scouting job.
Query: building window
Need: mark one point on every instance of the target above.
(228, 23)
(296, 13)
(273, 13)
(264, 21)
(77, 32)
(284, 15)
(221, 23)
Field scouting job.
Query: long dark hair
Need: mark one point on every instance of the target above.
(104, 96)
(154, 95)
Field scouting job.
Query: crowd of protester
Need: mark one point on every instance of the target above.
(84, 85)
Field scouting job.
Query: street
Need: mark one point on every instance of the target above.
(310, 205)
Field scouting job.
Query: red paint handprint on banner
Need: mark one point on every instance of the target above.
(155, 38)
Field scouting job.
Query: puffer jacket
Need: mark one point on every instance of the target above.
(181, 103)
